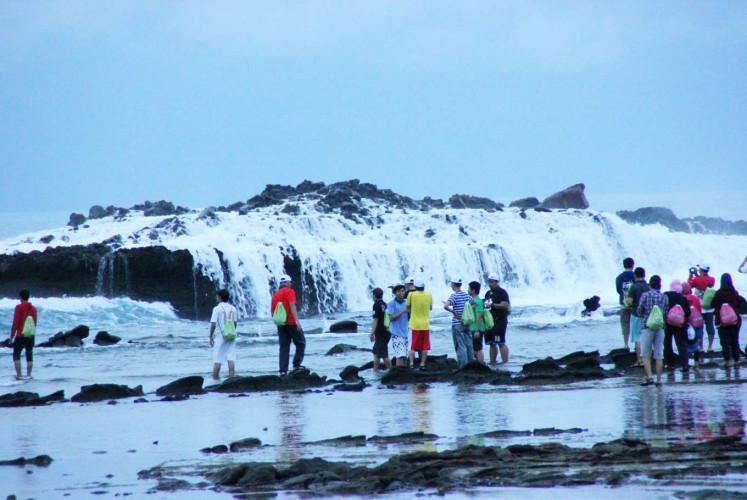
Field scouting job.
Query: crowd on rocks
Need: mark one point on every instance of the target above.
(688, 314)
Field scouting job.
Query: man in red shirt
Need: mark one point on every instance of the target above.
(23, 310)
(291, 330)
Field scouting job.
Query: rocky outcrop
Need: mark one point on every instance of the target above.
(345, 326)
(104, 392)
(459, 201)
(647, 216)
(302, 379)
(530, 202)
(187, 386)
(572, 197)
(105, 339)
(72, 338)
(39, 461)
(148, 273)
(23, 398)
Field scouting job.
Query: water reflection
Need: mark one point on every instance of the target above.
(685, 412)
(290, 417)
(421, 404)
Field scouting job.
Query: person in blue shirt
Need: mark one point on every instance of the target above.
(398, 320)
(622, 283)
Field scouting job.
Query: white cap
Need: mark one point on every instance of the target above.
(419, 284)
(285, 279)
(704, 266)
(456, 280)
(409, 280)
(494, 277)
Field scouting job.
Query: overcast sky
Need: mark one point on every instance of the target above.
(203, 103)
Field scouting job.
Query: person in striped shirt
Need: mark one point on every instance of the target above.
(652, 341)
(460, 333)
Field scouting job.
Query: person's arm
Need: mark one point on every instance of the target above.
(373, 328)
(478, 322)
(394, 316)
(294, 312)
(212, 332)
(619, 284)
(743, 266)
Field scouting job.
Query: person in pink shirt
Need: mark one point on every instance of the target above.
(696, 311)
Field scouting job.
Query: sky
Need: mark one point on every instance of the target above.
(204, 103)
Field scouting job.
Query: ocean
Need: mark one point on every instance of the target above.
(549, 265)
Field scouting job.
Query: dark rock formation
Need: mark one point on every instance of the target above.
(345, 326)
(530, 202)
(293, 381)
(149, 273)
(159, 208)
(99, 212)
(72, 338)
(245, 444)
(104, 338)
(103, 392)
(351, 387)
(572, 197)
(187, 386)
(590, 305)
(22, 398)
(349, 373)
(654, 215)
(466, 201)
(343, 348)
(76, 220)
(39, 461)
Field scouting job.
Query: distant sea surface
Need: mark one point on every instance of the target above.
(17, 223)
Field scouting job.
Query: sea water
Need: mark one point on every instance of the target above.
(99, 447)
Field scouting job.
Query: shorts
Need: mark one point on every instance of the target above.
(19, 344)
(223, 350)
(421, 340)
(381, 345)
(477, 342)
(497, 334)
(625, 315)
(652, 340)
(636, 324)
(399, 347)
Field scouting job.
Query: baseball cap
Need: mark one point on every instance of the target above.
(419, 284)
(493, 277)
(285, 278)
(704, 266)
(457, 281)
(409, 280)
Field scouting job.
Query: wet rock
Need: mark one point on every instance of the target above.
(102, 392)
(505, 434)
(460, 201)
(72, 338)
(579, 356)
(293, 381)
(352, 387)
(218, 449)
(552, 431)
(571, 197)
(105, 339)
(346, 326)
(341, 441)
(171, 484)
(530, 202)
(417, 437)
(590, 305)
(186, 386)
(245, 444)
(342, 349)
(76, 220)
(46, 239)
(22, 398)
(39, 461)
(350, 373)
(654, 215)
(547, 366)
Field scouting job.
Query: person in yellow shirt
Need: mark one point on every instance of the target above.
(419, 304)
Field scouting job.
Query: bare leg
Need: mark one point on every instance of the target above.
(216, 370)
(231, 369)
(17, 364)
(493, 354)
(388, 363)
(401, 361)
(647, 366)
(659, 368)
(504, 353)
(376, 362)
(638, 351)
(29, 366)
(480, 357)
(412, 358)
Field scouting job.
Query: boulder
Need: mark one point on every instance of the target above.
(104, 338)
(39, 461)
(103, 392)
(345, 326)
(461, 201)
(590, 305)
(99, 212)
(76, 220)
(572, 197)
(654, 215)
(72, 338)
(186, 386)
(302, 379)
(23, 398)
(245, 444)
(342, 349)
(350, 373)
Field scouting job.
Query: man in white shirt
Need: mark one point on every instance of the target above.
(223, 350)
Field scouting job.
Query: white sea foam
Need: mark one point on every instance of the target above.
(552, 259)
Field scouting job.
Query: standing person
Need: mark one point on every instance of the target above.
(291, 330)
(676, 333)
(419, 304)
(224, 350)
(498, 304)
(700, 280)
(398, 319)
(652, 341)
(478, 327)
(743, 266)
(17, 338)
(728, 334)
(409, 285)
(622, 282)
(638, 288)
(460, 333)
(696, 346)
(379, 334)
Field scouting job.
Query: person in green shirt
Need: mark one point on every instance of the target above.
(478, 333)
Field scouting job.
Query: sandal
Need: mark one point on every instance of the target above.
(648, 381)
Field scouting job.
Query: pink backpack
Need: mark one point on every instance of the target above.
(676, 316)
(728, 316)
(696, 319)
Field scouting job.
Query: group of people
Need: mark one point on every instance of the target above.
(405, 322)
(685, 314)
